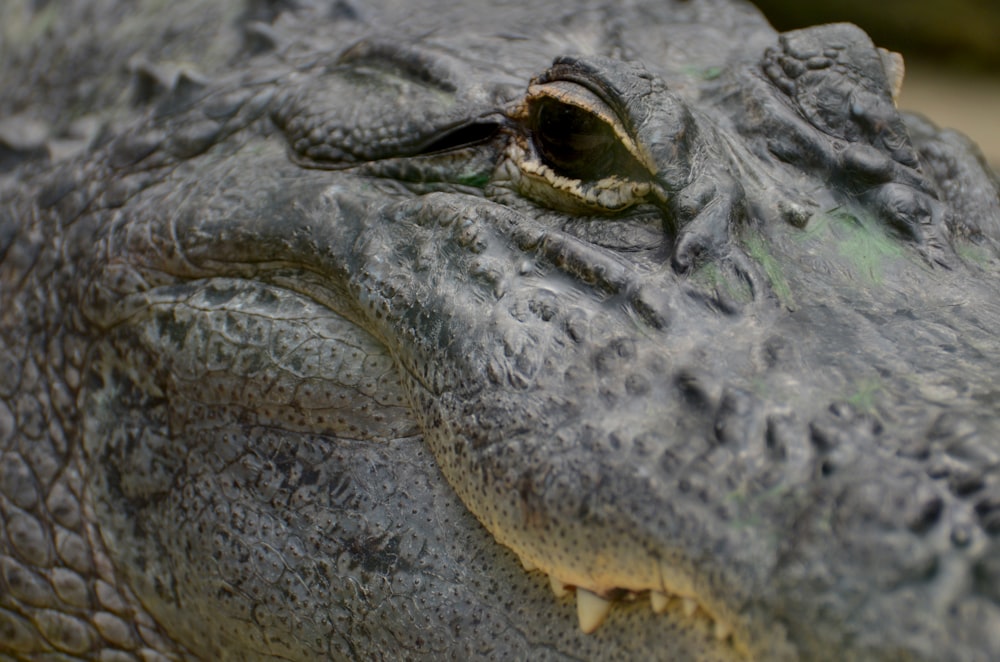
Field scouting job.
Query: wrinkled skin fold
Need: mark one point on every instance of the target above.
(604, 332)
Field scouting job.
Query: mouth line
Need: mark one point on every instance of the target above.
(678, 601)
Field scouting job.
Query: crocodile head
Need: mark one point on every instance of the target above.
(689, 317)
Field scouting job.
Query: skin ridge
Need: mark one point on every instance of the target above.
(276, 381)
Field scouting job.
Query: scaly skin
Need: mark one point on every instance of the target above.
(352, 332)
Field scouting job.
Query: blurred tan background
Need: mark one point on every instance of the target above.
(952, 53)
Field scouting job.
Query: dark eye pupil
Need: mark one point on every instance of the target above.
(572, 141)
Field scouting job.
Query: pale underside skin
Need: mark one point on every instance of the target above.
(319, 339)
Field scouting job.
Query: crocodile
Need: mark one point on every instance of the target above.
(495, 330)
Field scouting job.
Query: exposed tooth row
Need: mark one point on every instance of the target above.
(592, 609)
(660, 601)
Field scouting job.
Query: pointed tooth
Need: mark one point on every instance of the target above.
(561, 590)
(895, 70)
(689, 606)
(591, 609)
(722, 630)
(659, 601)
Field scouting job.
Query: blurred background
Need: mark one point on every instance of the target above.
(951, 49)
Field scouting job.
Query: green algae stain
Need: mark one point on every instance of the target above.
(757, 248)
(711, 73)
(868, 247)
(865, 392)
(862, 242)
(971, 253)
(703, 73)
(710, 276)
(475, 180)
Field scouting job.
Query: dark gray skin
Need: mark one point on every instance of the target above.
(351, 342)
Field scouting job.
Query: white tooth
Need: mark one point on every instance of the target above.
(659, 601)
(591, 609)
(561, 590)
(677, 581)
(689, 606)
(722, 630)
(895, 70)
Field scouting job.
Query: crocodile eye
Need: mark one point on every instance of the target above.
(575, 152)
(572, 141)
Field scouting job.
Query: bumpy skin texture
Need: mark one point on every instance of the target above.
(310, 315)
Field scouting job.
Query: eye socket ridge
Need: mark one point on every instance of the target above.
(578, 136)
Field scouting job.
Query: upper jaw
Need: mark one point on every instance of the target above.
(702, 462)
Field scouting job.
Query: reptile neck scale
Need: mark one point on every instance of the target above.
(489, 330)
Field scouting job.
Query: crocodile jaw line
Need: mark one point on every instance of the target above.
(676, 595)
